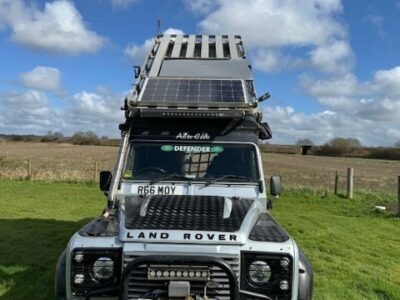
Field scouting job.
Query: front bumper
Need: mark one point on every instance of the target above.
(122, 291)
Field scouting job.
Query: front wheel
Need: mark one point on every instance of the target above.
(269, 204)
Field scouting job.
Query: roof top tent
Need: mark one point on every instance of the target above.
(188, 77)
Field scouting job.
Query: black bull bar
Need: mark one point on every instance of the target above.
(122, 290)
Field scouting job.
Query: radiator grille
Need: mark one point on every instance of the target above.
(139, 285)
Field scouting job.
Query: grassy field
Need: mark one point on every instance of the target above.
(354, 250)
(51, 161)
(66, 162)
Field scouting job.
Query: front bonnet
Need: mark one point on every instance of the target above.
(187, 219)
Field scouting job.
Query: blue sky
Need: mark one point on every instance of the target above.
(332, 67)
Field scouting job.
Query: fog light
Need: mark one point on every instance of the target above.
(166, 274)
(103, 268)
(78, 257)
(178, 274)
(191, 274)
(285, 262)
(284, 285)
(259, 272)
(79, 278)
(152, 274)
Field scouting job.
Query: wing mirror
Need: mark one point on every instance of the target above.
(105, 180)
(275, 186)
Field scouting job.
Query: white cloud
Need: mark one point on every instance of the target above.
(171, 30)
(200, 6)
(98, 111)
(101, 106)
(59, 28)
(32, 112)
(42, 78)
(275, 23)
(371, 108)
(288, 126)
(269, 60)
(26, 112)
(123, 3)
(334, 57)
(387, 82)
(137, 53)
(271, 27)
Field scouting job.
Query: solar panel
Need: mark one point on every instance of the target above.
(193, 91)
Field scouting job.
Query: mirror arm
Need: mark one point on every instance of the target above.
(260, 186)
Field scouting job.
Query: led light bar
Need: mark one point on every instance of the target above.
(190, 113)
(192, 274)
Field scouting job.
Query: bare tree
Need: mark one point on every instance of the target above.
(344, 143)
(304, 142)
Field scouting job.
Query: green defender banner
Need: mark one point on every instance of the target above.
(188, 148)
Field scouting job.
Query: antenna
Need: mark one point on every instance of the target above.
(158, 26)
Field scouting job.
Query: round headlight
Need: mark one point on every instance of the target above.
(79, 278)
(103, 268)
(259, 272)
(285, 262)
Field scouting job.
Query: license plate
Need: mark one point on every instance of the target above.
(157, 190)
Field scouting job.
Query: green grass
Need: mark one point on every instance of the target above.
(354, 250)
(36, 221)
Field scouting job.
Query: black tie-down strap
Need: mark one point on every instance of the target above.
(179, 260)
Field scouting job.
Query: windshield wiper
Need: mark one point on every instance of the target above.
(226, 177)
(170, 176)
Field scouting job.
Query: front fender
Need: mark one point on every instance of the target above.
(60, 284)
(306, 277)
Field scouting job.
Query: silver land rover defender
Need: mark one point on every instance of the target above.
(187, 212)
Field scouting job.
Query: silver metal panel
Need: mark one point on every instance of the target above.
(196, 68)
(204, 47)
(190, 47)
(162, 49)
(232, 47)
(177, 46)
(218, 47)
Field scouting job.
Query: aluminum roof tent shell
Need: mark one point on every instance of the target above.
(196, 47)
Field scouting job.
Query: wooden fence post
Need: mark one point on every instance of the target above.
(29, 170)
(350, 177)
(336, 182)
(398, 196)
(95, 168)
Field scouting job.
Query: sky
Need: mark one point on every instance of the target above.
(332, 67)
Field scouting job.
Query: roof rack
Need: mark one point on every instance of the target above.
(201, 76)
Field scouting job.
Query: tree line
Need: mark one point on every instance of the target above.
(351, 147)
(78, 138)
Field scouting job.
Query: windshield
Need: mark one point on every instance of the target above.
(183, 162)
